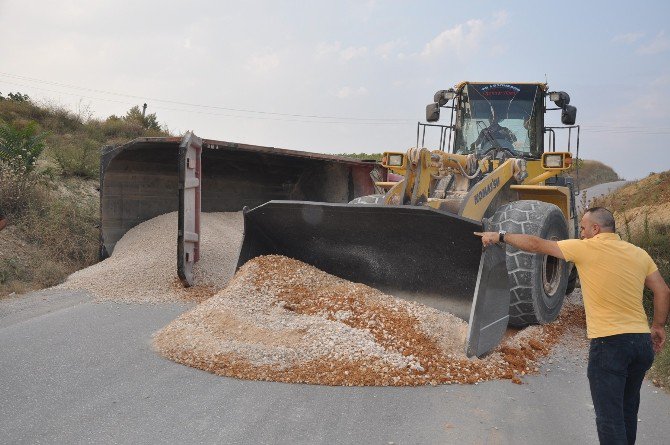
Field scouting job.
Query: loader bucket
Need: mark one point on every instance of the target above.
(410, 252)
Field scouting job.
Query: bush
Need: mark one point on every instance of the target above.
(78, 159)
(64, 228)
(18, 190)
(21, 146)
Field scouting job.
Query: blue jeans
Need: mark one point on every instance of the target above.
(617, 365)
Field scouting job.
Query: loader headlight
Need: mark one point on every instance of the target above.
(395, 160)
(555, 160)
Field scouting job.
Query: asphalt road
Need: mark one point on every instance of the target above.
(76, 371)
(597, 191)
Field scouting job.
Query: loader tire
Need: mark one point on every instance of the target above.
(538, 282)
(369, 199)
(572, 281)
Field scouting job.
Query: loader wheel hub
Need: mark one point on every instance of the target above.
(551, 273)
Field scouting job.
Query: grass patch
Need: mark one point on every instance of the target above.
(655, 239)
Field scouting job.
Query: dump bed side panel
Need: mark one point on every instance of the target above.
(140, 180)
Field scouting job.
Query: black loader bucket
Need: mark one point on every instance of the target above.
(416, 253)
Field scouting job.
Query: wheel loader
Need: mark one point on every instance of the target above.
(496, 167)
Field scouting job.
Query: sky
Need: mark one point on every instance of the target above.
(347, 76)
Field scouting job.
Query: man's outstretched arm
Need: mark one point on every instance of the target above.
(657, 284)
(528, 243)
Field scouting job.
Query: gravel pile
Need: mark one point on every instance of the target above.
(143, 266)
(282, 320)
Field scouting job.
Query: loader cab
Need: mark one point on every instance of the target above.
(507, 116)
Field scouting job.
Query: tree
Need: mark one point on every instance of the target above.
(16, 97)
(149, 121)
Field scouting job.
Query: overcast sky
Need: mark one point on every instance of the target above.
(344, 76)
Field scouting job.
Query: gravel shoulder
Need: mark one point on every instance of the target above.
(85, 372)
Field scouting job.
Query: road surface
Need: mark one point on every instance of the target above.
(77, 371)
(587, 195)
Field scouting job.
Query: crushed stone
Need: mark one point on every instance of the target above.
(282, 320)
(142, 268)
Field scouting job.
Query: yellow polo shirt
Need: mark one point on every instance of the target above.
(612, 274)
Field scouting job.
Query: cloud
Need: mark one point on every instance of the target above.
(628, 38)
(336, 50)
(263, 63)
(349, 92)
(457, 39)
(466, 37)
(327, 49)
(659, 44)
(352, 52)
(386, 50)
(500, 19)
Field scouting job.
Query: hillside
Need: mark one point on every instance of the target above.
(640, 204)
(592, 173)
(642, 213)
(49, 161)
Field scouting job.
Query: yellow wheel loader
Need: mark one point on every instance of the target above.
(496, 168)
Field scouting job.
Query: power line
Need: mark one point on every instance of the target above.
(239, 110)
(600, 127)
(268, 118)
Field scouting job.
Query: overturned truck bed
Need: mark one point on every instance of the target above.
(148, 177)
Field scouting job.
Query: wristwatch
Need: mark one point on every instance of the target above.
(501, 236)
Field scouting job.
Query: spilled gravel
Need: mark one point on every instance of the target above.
(282, 320)
(143, 267)
(278, 319)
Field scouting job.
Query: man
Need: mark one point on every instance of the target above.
(613, 274)
(494, 135)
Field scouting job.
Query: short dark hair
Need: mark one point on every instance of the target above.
(602, 217)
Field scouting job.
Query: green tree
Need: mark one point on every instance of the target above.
(20, 147)
(149, 121)
(18, 97)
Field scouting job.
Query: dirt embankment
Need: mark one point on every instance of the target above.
(642, 203)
